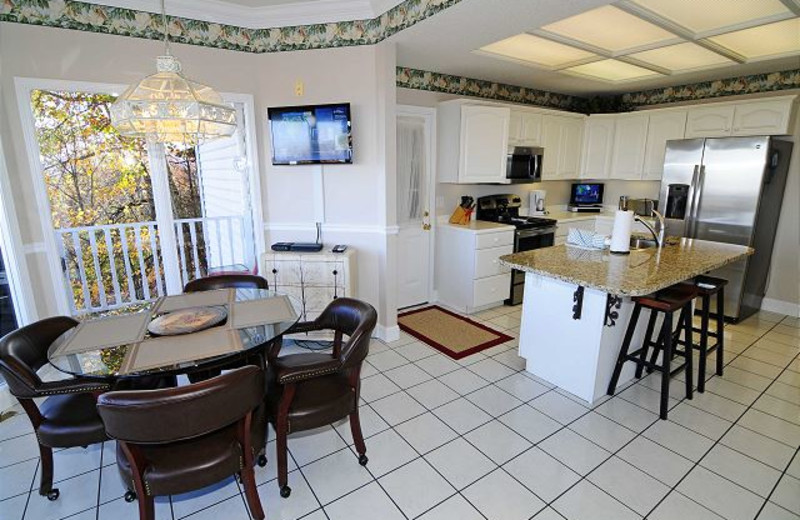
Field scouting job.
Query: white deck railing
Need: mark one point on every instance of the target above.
(111, 266)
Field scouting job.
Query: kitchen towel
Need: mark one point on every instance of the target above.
(621, 234)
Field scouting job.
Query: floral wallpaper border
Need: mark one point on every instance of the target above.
(770, 82)
(83, 16)
(459, 85)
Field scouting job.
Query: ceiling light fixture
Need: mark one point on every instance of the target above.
(168, 107)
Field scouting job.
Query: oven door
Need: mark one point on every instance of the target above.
(525, 240)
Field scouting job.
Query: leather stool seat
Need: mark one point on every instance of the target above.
(70, 420)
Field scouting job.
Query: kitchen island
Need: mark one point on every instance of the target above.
(577, 304)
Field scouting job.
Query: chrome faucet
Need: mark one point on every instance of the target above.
(658, 236)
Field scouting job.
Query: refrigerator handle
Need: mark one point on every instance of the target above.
(692, 201)
(698, 198)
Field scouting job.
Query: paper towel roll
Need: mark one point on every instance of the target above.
(621, 234)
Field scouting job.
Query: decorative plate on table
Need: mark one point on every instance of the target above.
(185, 321)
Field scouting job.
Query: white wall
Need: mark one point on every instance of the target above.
(357, 210)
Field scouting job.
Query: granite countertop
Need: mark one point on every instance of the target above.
(641, 272)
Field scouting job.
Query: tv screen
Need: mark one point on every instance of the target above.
(311, 134)
(584, 193)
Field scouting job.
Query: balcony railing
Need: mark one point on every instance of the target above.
(112, 266)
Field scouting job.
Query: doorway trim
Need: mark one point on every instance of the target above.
(25, 85)
(429, 115)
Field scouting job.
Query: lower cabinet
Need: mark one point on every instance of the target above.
(314, 279)
(469, 276)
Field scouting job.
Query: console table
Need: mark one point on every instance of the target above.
(315, 279)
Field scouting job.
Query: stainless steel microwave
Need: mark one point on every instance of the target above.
(524, 164)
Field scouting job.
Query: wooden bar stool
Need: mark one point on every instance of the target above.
(708, 286)
(668, 301)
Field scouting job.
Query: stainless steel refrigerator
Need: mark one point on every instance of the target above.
(728, 190)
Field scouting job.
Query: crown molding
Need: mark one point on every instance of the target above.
(282, 15)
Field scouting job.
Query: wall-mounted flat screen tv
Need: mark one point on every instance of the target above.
(312, 134)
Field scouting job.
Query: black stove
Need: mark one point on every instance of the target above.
(505, 210)
(531, 232)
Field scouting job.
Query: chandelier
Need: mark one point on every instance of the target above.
(168, 107)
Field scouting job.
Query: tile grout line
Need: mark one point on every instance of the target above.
(777, 483)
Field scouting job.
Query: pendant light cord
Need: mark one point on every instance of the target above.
(166, 29)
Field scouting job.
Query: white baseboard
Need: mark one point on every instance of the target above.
(781, 307)
(6, 399)
(387, 334)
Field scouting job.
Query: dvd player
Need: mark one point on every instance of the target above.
(585, 208)
(305, 247)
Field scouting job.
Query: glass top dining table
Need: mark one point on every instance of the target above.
(123, 346)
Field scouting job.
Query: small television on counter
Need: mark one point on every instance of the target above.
(311, 134)
(586, 194)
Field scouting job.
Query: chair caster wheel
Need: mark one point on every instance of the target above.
(362, 459)
(261, 461)
(130, 496)
(286, 491)
(53, 495)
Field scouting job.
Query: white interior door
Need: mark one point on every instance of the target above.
(414, 194)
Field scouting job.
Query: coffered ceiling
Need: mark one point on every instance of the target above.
(595, 46)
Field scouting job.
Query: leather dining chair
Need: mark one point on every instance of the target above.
(176, 440)
(227, 281)
(67, 417)
(309, 390)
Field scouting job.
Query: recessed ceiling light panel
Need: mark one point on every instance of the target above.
(612, 70)
(709, 16)
(773, 39)
(681, 57)
(609, 28)
(539, 51)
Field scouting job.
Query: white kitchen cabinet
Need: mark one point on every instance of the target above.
(314, 279)
(768, 117)
(469, 276)
(561, 140)
(630, 138)
(598, 142)
(524, 128)
(478, 152)
(709, 121)
(663, 126)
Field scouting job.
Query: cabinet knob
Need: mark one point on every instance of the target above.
(335, 272)
(274, 271)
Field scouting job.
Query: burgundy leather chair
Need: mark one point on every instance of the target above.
(306, 391)
(227, 281)
(177, 440)
(67, 417)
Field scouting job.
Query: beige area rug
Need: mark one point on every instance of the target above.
(448, 332)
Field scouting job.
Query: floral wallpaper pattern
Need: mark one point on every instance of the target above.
(433, 81)
(68, 14)
(772, 81)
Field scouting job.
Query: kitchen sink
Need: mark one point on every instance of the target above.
(642, 243)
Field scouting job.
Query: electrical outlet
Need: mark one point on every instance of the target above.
(299, 88)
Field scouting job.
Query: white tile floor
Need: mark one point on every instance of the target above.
(481, 439)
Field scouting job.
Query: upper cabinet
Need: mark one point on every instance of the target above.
(598, 142)
(664, 126)
(762, 117)
(561, 139)
(709, 121)
(630, 137)
(768, 117)
(473, 143)
(525, 128)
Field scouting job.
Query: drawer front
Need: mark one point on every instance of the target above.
(489, 240)
(317, 298)
(487, 261)
(491, 290)
(323, 273)
(281, 273)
